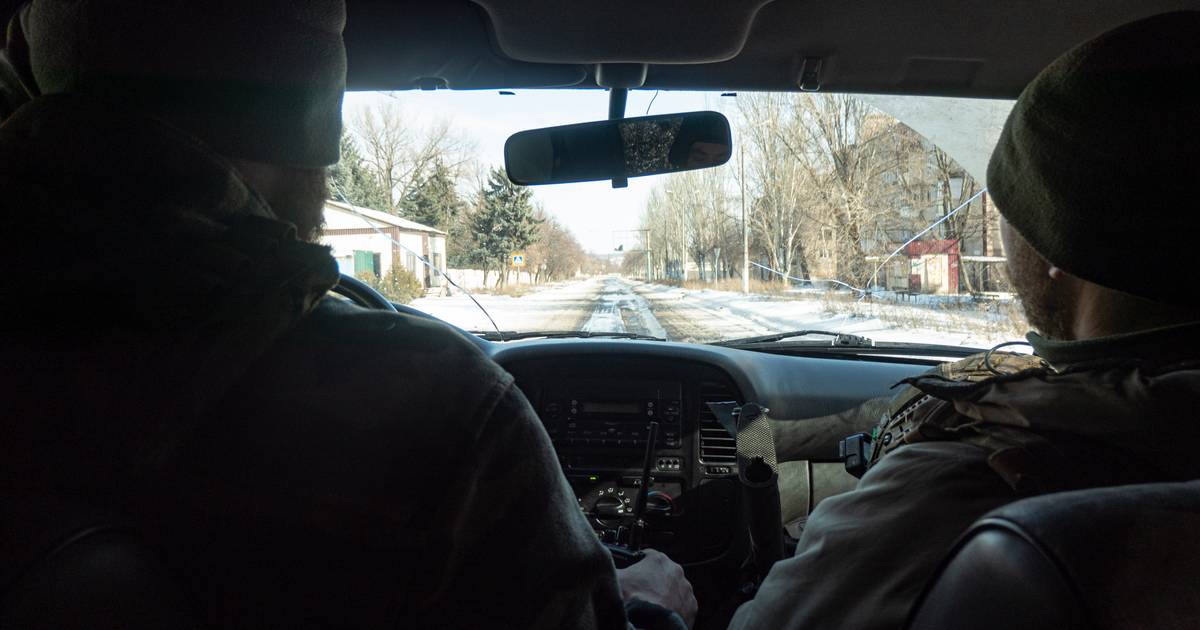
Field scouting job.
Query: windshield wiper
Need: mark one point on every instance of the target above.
(491, 335)
(840, 340)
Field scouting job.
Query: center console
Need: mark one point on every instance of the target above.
(598, 418)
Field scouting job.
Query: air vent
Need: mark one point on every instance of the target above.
(717, 447)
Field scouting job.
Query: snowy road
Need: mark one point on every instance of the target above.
(613, 304)
(564, 306)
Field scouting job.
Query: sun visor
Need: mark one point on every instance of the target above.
(663, 32)
(427, 45)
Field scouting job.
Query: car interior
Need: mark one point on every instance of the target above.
(1039, 563)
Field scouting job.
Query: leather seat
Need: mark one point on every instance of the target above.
(67, 566)
(1120, 557)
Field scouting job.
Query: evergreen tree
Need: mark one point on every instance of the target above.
(504, 223)
(434, 201)
(351, 177)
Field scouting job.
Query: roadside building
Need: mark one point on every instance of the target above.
(370, 241)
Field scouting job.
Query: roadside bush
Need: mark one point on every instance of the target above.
(397, 285)
(369, 278)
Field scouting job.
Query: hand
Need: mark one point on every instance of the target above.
(658, 580)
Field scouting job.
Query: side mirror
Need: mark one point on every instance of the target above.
(614, 149)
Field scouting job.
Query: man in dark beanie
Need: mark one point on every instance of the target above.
(1092, 175)
(171, 359)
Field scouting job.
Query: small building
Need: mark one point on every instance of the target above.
(923, 267)
(370, 241)
(934, 266)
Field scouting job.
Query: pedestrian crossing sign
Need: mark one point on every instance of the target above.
(518, 260)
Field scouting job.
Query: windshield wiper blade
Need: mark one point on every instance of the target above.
(491, 335)
(841, 340)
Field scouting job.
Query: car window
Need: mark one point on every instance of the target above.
(846, 213)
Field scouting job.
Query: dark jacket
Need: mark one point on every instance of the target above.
(169, 352)
(963, 441)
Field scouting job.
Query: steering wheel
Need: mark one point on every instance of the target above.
(362, 294)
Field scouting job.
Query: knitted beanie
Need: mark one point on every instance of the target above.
(261, 80)
(1097, 164)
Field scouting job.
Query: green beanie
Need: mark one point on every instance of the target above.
(1098, 164)
(256, 79)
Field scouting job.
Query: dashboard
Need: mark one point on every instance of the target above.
(596, 399)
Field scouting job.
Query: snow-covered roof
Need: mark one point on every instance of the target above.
(352, 217)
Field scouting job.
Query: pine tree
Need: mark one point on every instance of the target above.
(505, 222)
(351, 177)
(433, 201)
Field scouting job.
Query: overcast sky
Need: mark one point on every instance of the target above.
(601, 216)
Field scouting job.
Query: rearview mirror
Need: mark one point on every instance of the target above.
(615, 149)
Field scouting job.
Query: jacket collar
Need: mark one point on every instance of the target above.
(1162, 345)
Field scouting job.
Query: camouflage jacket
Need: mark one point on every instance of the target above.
(963, 440)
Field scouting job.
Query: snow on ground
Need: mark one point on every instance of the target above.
(556, 306)
(613, 304)
(727, 314)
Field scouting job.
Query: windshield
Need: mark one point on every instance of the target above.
(857, 214)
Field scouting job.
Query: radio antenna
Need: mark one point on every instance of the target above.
(639, 504)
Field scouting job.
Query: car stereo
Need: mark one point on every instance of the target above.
(610, 417)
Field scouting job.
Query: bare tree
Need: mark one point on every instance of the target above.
(399, 154)
(776, 181)
(556, 254)
(688, 219)
(832, 186)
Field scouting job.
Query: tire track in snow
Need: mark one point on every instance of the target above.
(619, 309)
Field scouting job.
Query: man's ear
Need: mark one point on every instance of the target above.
(1065, 281)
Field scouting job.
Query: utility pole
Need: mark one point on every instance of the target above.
(649, 275)
(745, 228)
(645, 250)
(985, 276)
